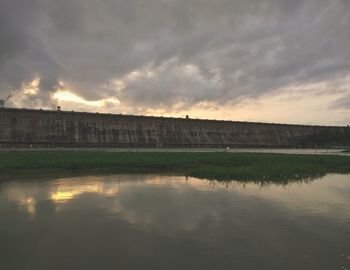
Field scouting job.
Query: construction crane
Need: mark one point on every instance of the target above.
(3, 101)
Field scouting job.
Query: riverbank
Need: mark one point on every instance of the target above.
(219, 166)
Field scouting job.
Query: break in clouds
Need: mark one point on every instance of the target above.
(172, 55)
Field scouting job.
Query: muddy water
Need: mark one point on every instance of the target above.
(173, 222)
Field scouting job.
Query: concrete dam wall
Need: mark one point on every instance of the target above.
(41, 128)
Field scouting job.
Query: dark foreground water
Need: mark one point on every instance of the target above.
(171, 222)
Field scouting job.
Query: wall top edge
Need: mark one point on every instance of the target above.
(159, 117)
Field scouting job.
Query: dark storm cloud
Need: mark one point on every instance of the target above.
(196, 50)
(15, 41)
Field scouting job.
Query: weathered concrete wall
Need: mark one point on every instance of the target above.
(39, 128)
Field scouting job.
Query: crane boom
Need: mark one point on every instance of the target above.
(6, 99)
(3, 101)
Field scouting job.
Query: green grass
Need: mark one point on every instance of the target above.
(218, 166)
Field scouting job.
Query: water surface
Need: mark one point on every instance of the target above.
(173, 222)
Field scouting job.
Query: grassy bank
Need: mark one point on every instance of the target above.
(219, 166)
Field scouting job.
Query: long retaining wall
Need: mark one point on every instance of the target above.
(40, 128)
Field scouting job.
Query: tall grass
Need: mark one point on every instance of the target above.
(219, 166)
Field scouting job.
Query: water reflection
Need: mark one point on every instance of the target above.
(68, 189)
(173, 222)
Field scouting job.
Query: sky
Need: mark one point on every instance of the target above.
(285, 61)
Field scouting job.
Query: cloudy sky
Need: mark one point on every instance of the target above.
(282, 61)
